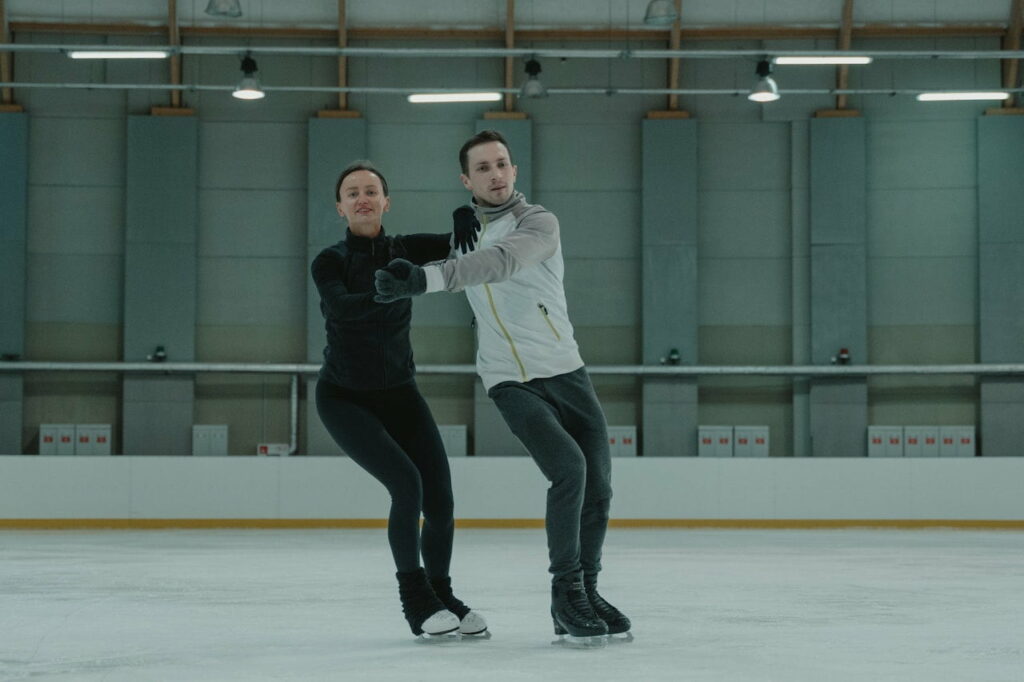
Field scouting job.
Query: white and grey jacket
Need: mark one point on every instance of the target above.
(513, 281)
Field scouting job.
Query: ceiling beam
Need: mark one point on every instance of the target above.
(510, 63)
(845, 39)
(175, 40)
(342, 60)
(1011, 67)
(673, 63)
(758, 32)
(6, 59)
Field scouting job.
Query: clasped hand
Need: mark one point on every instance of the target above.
(399, 279)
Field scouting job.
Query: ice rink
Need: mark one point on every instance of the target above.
(865, 605)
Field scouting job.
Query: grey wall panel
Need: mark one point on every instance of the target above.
(12, 414)
(160, 279)
(158, 428)
(744, 156)
(596, 224)
(923, 223)
(1001, 297)
(520, 135)
(838, 303)
(603, 292)
(76, 220)
(839, 418)
(595, 157)
(161, 205)
(669, 282)
(745, 224)
(838, 187)
(669, 427)
(669, 183)
(77, 151)
(931, 291)
(12, 297)
(14, 208)
(921, 154)
(1000, 169)
(838, 182)
(331, 144)
(253, 223)
(239, 155)
(1001, 279)
(70, 288)
(745, 291)
(251, 291)
(415, 211)
(160, 301)
(417, 156)
(669, 302)
(146, 388)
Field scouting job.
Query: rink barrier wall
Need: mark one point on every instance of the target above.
(510, 492)
(470, 524)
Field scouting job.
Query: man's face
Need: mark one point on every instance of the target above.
(363, 203)
(492, 177)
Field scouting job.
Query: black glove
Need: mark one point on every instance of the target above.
(465, 227)
(400, 279)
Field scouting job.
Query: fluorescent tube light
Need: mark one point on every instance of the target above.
(961, 96)
(852, 59)
(118, 54)
(426, 97)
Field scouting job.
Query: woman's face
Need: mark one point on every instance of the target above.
(362, 202)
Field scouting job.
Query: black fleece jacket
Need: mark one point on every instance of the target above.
(367, 342)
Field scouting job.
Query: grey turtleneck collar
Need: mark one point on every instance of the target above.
(495, 212)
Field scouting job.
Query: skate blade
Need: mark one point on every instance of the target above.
(439, 639)
(573, 642)
(483, 634)
(621, 638)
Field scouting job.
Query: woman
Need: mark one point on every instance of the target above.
(368, 399)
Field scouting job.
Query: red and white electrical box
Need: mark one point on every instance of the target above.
(622, 441)
(750, 441)
(56, 439)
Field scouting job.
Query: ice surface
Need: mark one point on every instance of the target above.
(865, 605)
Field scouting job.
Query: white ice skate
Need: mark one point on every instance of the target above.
(474, 625)
(443, 626)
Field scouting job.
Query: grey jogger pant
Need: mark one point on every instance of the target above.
(561, 423)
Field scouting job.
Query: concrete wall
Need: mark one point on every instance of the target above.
(752, 244)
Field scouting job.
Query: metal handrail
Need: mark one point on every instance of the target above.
(986, 369)
(296, 370)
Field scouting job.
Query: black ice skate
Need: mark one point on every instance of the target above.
(470, 622)
(427, 616)
(618, 624)
(572, 615)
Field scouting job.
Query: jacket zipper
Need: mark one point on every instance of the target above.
(494, 309)
(547, 318)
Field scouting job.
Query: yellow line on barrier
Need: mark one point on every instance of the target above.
(269, 524)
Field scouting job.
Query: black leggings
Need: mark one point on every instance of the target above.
(392, 435)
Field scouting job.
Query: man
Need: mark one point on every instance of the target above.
(531, 367)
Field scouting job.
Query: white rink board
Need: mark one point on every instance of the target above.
(38, 487)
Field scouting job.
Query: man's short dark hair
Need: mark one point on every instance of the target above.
(483, 137)
(358, 166)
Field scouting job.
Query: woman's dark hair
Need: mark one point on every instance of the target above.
(358, 166)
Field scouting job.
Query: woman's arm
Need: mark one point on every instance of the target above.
(328, 272)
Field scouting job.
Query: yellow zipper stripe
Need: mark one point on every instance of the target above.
(494, 309)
